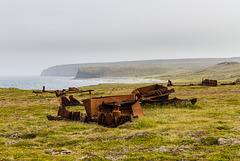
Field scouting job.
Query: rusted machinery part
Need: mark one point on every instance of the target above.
(231, 83)
(115, 104)
(95, 105)
(70, 90)
(169, 83)
(209, 82)
(116, 113)
(41, 92)
(68, 101)
(54, 118)
(205, 82)
(112, 119)
(158, 93)
(175, 101)
(59, 93)
(147, 89)
(101, 119)
(73, 89)
(130, 107)
(69, 115)
(36, 92)
(119, 120)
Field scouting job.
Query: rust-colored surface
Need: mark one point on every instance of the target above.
(73, 89)
(159, 95)
(59, 93)
(208, 82)
(169, 83)
(231, 83)
(112, 111)
(174, 101)
(69, 115)
(68, 101)
(54, 118)
(64, 113)
(137, 110)
(43, 91)
(92, 105)
(147, 89)
(152, 92)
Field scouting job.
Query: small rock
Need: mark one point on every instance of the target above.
(185, 148)
(237, 142)
(198, 140)
(66, 152)
(83, 158)
(49, 150)
(222, 141)
(126, 149)
(12, 142)
(55, 153)
(77, 133)
(143, 134)
(236, 129)
(17, 136)
(161, 149)
(207, 151)
(110, 158)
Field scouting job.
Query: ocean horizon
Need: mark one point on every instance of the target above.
(54, 83)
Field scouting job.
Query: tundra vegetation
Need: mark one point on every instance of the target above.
(208, 130)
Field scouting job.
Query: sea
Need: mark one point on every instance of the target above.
(54, 83)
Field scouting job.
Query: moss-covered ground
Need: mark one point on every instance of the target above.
(164, 133)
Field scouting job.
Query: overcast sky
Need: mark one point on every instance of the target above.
(36, 34)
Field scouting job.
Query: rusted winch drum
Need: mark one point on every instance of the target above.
(116, 113)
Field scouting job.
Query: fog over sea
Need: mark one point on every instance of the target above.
(54, 83)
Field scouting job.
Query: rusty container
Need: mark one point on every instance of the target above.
(209, 82)
(92, 105)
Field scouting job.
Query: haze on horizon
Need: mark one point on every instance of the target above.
(35, 35)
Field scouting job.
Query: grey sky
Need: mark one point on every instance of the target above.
(38, 34)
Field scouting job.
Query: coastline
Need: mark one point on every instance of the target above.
(54, 83)
(124, 80)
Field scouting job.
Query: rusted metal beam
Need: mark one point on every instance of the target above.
(174, 101)
(231, 83)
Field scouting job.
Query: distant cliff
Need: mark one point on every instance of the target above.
(89, 70)
(62, 70)
(122, 71)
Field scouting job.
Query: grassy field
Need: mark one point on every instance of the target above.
(222, 72)
(164, 133)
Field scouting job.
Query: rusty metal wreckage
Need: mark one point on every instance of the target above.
(207, 82)
(112, 111)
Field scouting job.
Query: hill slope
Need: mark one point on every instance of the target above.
(122, 71)
(220, 71)
(184, 65)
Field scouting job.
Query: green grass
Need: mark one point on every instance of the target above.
(163, 133)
